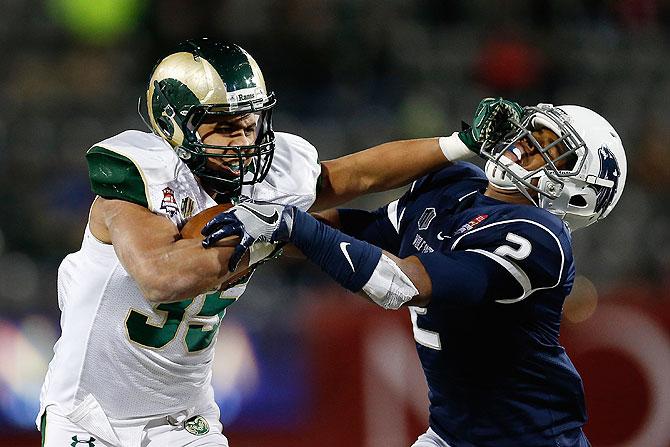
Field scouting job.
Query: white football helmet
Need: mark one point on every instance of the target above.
(584, 193)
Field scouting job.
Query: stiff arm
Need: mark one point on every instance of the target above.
(379, 168)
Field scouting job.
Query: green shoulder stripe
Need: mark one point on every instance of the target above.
(114, 176)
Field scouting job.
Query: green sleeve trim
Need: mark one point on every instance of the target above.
(114, 176)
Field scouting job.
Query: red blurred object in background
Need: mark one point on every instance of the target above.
(509, 64)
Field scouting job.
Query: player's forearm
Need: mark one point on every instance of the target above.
(379, 168)
(180, 271)
(149, 247)
(361, 267)
(395, 164)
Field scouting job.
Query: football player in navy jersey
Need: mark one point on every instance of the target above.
(483, 260)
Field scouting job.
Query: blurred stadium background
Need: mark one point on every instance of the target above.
(301, 363)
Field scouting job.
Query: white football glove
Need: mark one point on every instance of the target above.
(252, 222)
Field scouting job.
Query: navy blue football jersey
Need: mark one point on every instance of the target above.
(488, 340)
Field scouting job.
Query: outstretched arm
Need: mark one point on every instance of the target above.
(386, 279)
(395, 164)
(358, 266)
(461, 278)
(379, 168)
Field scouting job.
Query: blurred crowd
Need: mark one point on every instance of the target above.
(348, 74)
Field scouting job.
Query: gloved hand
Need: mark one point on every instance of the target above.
(491, 122)
(251, 221)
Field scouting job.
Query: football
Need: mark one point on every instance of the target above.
(195, 224)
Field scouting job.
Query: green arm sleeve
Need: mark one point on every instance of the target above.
(114, 176)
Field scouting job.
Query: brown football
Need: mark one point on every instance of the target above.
(195, 224)
(191, 230)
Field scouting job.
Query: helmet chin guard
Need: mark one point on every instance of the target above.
(582, 194)
(504, 173)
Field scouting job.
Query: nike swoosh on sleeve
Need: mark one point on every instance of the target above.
(343, 247)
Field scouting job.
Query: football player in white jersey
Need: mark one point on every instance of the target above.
(140, 306)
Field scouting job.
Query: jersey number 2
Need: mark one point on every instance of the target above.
(431, 339)
(515, 253)
(424, 337)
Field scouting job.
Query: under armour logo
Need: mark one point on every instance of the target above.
(89, 442)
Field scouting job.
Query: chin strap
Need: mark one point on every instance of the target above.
(499, 175)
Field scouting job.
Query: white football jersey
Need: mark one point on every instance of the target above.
(137, 359)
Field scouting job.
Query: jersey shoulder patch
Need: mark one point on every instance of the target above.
(531, 244)
(154, 158)
(123, 166)
(293, 174)
(453, 184)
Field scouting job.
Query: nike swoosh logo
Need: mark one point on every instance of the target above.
(343, 247)
(270, 220)
(441, 237)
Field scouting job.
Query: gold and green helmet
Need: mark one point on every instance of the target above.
(205, 77)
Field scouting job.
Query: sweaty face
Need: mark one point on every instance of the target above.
(525, 154)
(227, 131)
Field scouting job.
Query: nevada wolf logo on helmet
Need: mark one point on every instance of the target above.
(609, 170)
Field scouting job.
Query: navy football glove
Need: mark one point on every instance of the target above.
(491, 122)
(251, 221)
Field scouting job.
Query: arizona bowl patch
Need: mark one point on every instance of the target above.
(169, 203)
(470, 225)
(197, 425)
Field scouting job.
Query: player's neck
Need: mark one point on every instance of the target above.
(216, 196)
(506, 195)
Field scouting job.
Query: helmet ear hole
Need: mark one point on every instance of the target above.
(166, 126)
(578, 201)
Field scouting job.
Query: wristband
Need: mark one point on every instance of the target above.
(389, 286)
(454, 149)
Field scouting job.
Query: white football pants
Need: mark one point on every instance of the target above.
(59, 431)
